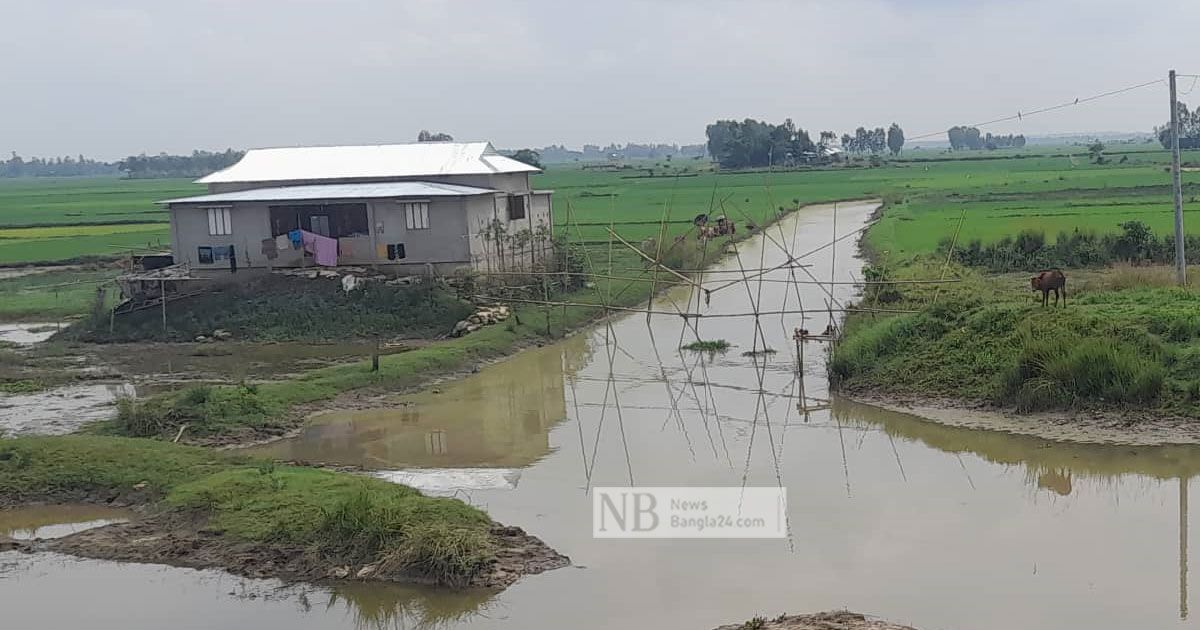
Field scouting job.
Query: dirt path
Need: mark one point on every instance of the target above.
(834, 620)
(1124, 427)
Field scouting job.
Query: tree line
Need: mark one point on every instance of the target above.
(969, 138)
(875, 140)
(751, 143)
(198, 164)
(65, 166)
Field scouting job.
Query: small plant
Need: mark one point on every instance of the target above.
(757, 623)
(715, 345)
(760, 352)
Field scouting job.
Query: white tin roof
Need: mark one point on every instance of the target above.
(351, 162)
(338, 191)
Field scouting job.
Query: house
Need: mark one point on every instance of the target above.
(412, 208)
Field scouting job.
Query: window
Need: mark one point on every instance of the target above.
(516, 207)
(417, 215)
(219, 222)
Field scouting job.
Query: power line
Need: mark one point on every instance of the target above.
(1020, 115)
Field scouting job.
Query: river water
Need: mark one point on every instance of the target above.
(923, 524)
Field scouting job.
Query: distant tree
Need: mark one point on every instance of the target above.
(426, 136)
(1096, 150)
(847, 142)
(528, 156)
(752, 143)
(1189, 128)
(895, 139)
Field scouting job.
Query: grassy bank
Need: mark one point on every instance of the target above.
(346, 518)
(285, 308)
(1127, 339)
(52, 296)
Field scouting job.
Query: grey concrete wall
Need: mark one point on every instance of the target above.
(446, 241)
(488, 255)
(189, 232)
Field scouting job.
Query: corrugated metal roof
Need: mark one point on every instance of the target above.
(350, 162)
(338, 191)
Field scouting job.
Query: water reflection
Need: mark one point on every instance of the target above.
(53, 521)
(500, 417)
(103, 594)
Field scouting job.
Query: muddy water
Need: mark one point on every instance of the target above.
(61, 410)
(933, 526)
(55, 521)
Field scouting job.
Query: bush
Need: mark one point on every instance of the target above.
(1053, 373)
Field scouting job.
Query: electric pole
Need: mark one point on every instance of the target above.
(1177, 182)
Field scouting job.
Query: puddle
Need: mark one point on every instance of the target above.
(451, 482)
(61, 410)
(926, 525)
(27, 334)
(56, 521)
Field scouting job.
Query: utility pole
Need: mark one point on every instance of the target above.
(1177, 181)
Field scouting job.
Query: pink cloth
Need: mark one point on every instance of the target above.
(323, 248)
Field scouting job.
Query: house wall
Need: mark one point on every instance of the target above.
(488, 254)
(445, 244)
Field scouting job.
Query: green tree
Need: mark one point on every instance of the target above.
(895, 139)
(426, 136)
(528, 156)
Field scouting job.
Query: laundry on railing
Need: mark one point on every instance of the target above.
(323, 248)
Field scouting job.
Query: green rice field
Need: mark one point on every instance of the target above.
(1048, 188)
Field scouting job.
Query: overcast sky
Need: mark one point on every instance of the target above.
(114, 77)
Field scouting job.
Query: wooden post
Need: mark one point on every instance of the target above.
(1177, 182)
(162, 294)
(375, 357)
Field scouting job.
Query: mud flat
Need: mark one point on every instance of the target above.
(1124, 428)
(178, 540)
(835, 620)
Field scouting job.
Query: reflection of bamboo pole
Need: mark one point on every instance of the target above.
(690, 316)
(1183, 545)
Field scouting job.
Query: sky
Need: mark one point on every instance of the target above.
(120, 77)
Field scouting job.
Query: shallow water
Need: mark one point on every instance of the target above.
(27, 334)
(56, 521)
(933, 526)
(60, 410)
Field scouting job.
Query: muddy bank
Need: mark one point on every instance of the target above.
(187, 541)
(835, 620)
(1126, 427)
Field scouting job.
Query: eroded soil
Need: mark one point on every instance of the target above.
(834, 620)
(1131, 427)
(179, 540)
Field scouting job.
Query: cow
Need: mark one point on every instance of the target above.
(1047, 281)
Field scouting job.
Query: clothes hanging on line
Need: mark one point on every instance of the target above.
(297, 238)
(283, 243)
(323, 248)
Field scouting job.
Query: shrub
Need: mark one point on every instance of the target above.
(1063, 371)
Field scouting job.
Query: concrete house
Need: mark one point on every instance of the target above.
(431, 206)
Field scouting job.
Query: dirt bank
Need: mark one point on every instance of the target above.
(1127, 427)
(834, 620)
(179, 540)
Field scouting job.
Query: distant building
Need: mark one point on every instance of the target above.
(411, 207)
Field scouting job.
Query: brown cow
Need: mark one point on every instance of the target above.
(1047, 281)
